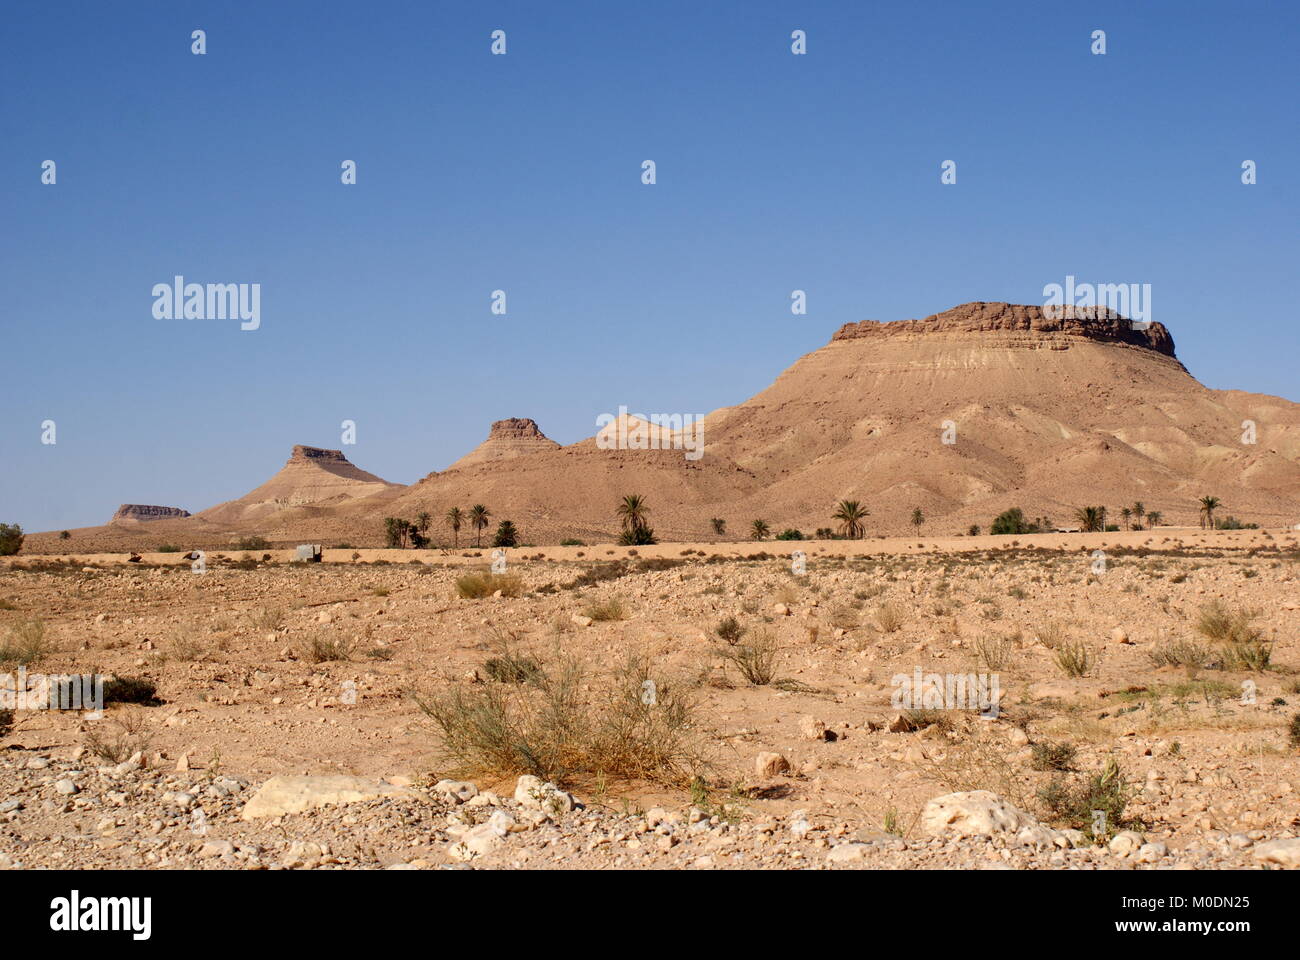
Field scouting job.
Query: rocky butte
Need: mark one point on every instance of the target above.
(140, 511)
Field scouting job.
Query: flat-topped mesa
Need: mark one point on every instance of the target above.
(142, 511)
(506, 439)
(316, 454)
(515, 428)
(1092, 323)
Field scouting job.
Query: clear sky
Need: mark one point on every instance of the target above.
(522, 172)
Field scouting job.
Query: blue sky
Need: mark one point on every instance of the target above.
(522, 172)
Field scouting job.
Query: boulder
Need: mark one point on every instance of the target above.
(282, 795)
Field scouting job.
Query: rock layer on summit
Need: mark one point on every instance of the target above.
(141, 511)
(1092, 323)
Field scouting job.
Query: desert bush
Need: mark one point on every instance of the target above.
(729, 630)
(844, 617)
(184, 648)
(322, 649)
(268, 618)
(1293, 732)
(1253, 655)
(571, 542)
(6, 722)
(979, 764)
(135, 690)
(252, 543)
(1216, 622)
(1179, 653)
(11, 539)
(1051, 634)
(167, 548)
(480, 584)
(606, 610)
(24, 643)
(755, 658)
(889, 618)
(121, 739)
(1241, 642)
(380, 653)
(1047, 755)
(558, 726)
(1071, 801)
(995, 652)
(1075, 658)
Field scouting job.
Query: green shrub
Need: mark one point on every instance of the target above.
(1073, 802)
(11, 539)
(1052, 756)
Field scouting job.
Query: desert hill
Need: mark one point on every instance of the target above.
(1043, 413)
(312, 476)
(515, 437)
(1048, 414)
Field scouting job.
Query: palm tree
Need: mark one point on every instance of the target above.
(455, 517)
(1154, 518)
(422, 521)
(1127, 514)
(759, 529)
(632, 511)
(719, 526)
(1139, 511)
(850, 513)
(1091, 519)
(478, 519)
(918, 518)
(1208, 506)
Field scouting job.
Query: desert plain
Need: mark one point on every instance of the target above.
(680, 705)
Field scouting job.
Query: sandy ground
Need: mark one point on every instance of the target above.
(1204, 748)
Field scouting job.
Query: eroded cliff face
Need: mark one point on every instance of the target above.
(141, 511)
(1091, 323)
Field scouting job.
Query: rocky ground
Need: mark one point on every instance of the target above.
(286, 732)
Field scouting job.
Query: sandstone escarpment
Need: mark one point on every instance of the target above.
(1092, 323)
(141, 511)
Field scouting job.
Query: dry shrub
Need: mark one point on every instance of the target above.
(1052, 634)
(1179, 653)
(611, 609)
(889, 618)
(322, 648)
(558, 726)
(980, 764)
(1075, 658)
(484, 583)
(844, 617)
(1241, 642)
(268, 618)
(755, 658)
(24, 644)
(1216, 622)
(995, 652)
(123, 737)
